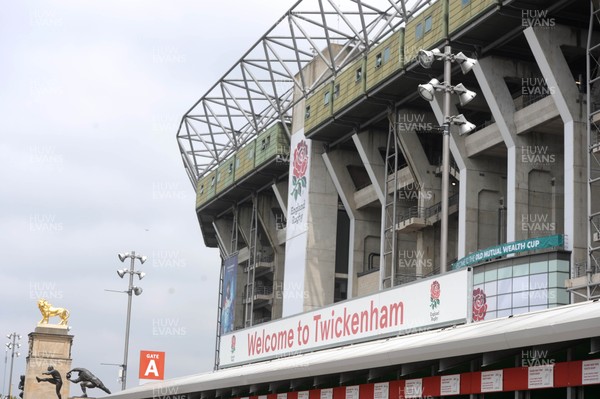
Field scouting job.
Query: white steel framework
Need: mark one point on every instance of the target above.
(270, 78)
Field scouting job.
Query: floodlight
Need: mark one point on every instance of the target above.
(143, 258)
(121, 272)
(427, 90)
(426, 57)
(137, 291)
(466, 63)
(124, 256)
(464, 126)
(465, 96)
(141, 275)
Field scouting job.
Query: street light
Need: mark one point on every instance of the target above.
(131, 289)
(11, 346)
(427, 91)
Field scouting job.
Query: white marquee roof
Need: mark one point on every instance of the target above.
(565, 323)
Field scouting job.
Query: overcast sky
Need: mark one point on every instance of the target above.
(91, 94)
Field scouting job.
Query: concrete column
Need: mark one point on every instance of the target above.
(363, 223)
(322, 226)
(546, 45)
(367, 144)
(476, 178)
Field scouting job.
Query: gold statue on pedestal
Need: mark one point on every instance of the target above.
(48, 311)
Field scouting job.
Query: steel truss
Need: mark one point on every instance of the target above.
(264, 85)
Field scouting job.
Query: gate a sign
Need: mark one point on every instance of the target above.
(152, 365)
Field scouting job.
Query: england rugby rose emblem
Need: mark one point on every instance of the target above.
(435, 294)
(300, 165)
(233, 344)
(479, 305)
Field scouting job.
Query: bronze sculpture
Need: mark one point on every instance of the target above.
(54, 379)
(86, 380)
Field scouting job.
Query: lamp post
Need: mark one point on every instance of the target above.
(14, 337)
(426, 91)
(131, 289)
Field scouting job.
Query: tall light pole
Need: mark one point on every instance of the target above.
(14, 337)
(426, 91)
(130, 290)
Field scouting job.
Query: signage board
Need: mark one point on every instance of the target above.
(411, 308)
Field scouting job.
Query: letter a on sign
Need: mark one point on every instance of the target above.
(152, 365)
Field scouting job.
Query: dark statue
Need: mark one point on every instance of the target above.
(86, 380)
(55, 379)
(21, 386)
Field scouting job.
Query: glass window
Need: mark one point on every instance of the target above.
(520, 310)
(478, 277)
(428, 23)
(419, 31)
(358, 74)
(307, 112)
(505, 286)
(520, 283)
(521, 270)
(386, 55)
(378, 60)
(557, 280)
(336, 91)
(538, 267)
(538, 297)
(326, 97)
(538, 281)
(212, 181)
(465, 2)
(504, 313)
(504, 301)
(535, 308)
(230, 168)
(505, 272)
(563, 266)
(520, 299)
(491, 275)
(490, 288)
(491, 304)
(202, 189)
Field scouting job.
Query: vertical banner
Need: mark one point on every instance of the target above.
(299, 177)
(297, 225)
(230, 266)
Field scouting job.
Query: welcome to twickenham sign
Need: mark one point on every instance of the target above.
(514, 247)
(437, 301)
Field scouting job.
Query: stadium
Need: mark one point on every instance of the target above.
(406, 199)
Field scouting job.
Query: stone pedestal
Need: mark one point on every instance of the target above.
(49, 345)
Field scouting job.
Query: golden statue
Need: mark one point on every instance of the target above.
(48, 311)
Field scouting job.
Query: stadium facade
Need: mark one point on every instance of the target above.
(380, 244)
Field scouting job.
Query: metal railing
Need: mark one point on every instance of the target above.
(423, 212)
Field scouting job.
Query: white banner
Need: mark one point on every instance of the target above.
(297, 225)
(439, 300)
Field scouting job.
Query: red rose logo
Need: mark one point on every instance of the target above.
(233, 344)
(300, 159)
(479, 305)
(435, 294)
(300, 165)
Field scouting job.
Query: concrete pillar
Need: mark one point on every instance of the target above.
(476, 179)
(368, 144)
(546, 45)
(363, 223)
(49, 345)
